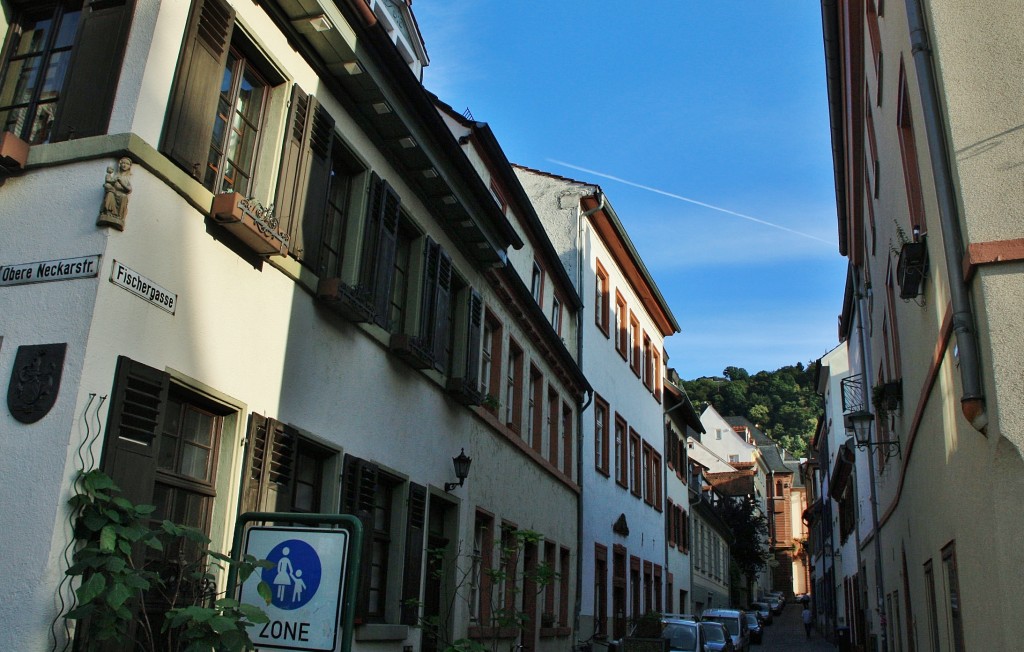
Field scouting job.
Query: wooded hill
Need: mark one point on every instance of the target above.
(782, 403)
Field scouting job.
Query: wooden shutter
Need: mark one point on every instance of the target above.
(301, 198)
(133, 428)
(469, 318)
(359, 485)
(428, 292)
(371, 230)
(387, 242)
(321, 144)
(194, 95)
(442, 305)
(269, 466)
(93, 70)
(291, 181)
(414, 530)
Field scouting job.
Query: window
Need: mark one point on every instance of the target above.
(634, 344)
(340, 206)
(656, 380)
(657, 588)
(490, 366)
(622, 326)
(563, 586)
(236, 128)
(535, 409)
(509, 561)
(214, 136)
(514, 387)
(908, 152)
(621, 452)
(646, 480)
(466, 327)
(634, 586)
(601, 435)
(647, 360)
(601, 299)
(670, 524)
(284, 472)
(537, 284)
(425, 341)
(39, 48)
(656, 475)
(551, 561)
(933, 617)
(635, 470)
(956, 622)
(567, 438)
(619, 590)
(61, 68)
(377, 498)
(161, 447)
(600, 589)
(648, 587)
(554, 422)
(556, 315)
(483, 560)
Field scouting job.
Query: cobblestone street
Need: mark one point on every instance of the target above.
(786, 634)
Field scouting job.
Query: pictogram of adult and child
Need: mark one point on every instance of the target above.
(295, 575)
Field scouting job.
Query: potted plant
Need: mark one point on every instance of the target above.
(886, 396)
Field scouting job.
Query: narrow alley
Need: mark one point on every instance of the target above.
(786, 634)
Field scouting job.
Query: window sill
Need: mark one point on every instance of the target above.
(555, 632)
(381, 632)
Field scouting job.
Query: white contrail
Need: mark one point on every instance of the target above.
(693, 201)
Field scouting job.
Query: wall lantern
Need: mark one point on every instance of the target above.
(461, 463)
(860, 423)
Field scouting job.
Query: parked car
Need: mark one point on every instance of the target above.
(756, 628)
(763, 610)
(735, 622)
(683, 635)
(716, 637)
(777, 600)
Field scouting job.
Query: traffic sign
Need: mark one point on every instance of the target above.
(306, 586)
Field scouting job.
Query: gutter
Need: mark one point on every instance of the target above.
(972, 402)
(834, 80)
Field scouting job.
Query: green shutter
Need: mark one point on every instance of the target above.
(413, 571)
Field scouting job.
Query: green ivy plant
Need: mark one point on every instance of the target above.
(111, 535)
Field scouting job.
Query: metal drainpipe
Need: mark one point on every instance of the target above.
(865, 356)
(972, 403)
(581, 215)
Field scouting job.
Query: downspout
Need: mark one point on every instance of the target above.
(972, 403)
(579, 418)
(865, 359)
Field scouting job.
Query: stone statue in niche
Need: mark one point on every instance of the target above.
(116, 188)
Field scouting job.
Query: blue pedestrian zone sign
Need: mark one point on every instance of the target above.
(309, 567)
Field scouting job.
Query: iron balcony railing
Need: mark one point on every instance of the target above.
(854, 397)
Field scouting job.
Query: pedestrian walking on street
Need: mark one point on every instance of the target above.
(808, 619)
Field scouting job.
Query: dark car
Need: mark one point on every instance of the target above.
(716, 637)
(763, 610)
(756, 628)
(735, 622)
(683, 635)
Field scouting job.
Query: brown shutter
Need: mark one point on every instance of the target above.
(194, 95)
(93, 70)
(415, 526)
(371, 230)
(269, 466)
(359, 485)
(321, 143)
(291, 180)
(442, 305)
(428, 292)
(387, 242)
(133, 428)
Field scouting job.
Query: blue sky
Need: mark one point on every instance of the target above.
(664, 104)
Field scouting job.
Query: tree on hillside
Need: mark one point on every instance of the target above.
(782, 403)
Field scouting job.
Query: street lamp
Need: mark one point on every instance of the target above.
(860, 423)
(461, 463)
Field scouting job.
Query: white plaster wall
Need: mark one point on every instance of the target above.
(723, 440)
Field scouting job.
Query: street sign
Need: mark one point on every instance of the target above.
(306, 586)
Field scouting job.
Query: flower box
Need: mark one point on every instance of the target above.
(250, 222)
(13, 154)
(352, 303)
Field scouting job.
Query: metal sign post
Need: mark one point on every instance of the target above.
(313, 581)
